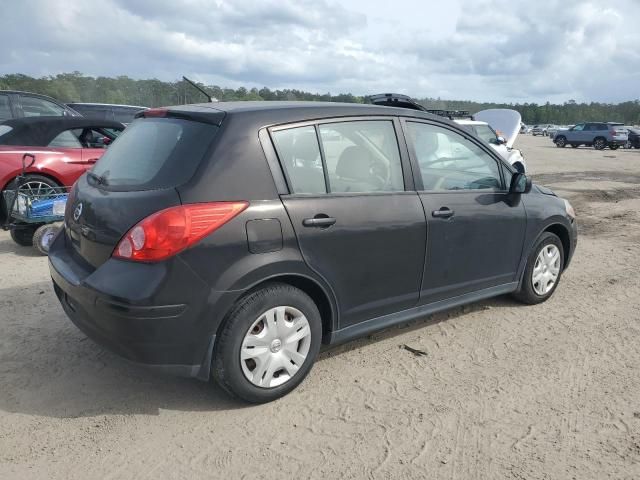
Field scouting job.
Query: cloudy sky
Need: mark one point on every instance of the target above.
(492, 50)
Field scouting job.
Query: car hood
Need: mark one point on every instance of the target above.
(544, 190)
(504, 121)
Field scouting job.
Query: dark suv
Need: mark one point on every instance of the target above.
(16, 104)
(230, 240)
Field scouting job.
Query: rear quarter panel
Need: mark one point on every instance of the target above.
(62, 165)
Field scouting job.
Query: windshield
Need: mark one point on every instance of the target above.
(486, 133)
(154, 153)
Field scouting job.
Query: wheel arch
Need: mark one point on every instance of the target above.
(30, 172)
(320, 295)
(562, 232)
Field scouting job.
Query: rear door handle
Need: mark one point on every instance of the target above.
(319, 221)
(444, 212)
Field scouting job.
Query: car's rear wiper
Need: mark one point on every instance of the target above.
(99, 179)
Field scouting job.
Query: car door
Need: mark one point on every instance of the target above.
(576, 134)
(475, 228)
(357, 225)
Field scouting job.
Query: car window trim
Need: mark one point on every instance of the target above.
(408, 176)
(323, 160)
(467, 135)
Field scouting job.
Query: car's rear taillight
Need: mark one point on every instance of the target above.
(170, 231)
(612, 132)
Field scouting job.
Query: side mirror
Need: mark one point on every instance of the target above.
(520, 183)
(501, 140)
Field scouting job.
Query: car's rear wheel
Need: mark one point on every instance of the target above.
(599, 143)
(23, 236)
(561, 142)
(543, 271)
(574, 145)
(268, 343)
(614, 147)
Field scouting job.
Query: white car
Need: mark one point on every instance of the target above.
(508, 126)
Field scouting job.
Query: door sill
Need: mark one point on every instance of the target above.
(369, 326)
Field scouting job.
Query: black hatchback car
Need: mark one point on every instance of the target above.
(230, 240)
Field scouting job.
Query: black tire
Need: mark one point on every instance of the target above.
(599, 143)
(614, 147)
(526, 293)
(43, 236)
(23, 236)
(573, 145)
(31, 177)
(561, 142)
(226, 365)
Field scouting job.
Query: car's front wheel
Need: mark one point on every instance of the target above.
(543, 271)
(268, 343)
(561, 142)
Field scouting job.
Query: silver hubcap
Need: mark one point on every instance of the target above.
(275, 347)
(546, 269)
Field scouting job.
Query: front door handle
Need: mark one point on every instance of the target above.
(319, 221)
(444, 212)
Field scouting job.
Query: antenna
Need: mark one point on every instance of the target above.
(200, 89)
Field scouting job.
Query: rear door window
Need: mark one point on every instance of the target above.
(66, 139)
(356, 157)
(5, 108)
(362, 156)
(38, 107)
(154, 153)
(299, 154)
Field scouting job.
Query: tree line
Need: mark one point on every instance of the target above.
(76, 87)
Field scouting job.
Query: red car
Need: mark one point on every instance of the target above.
(64, 147)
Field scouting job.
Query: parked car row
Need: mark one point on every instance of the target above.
(598, 135)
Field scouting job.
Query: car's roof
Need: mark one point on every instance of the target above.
(283, 112)
(89, 104)
(39, 131)
(31, 94)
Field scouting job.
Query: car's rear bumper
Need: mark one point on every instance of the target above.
(158, 315)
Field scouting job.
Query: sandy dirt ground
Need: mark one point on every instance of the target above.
(504, 391)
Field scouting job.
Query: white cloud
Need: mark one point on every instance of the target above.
(501, 50)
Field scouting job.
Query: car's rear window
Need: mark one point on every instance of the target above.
(154, 153)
